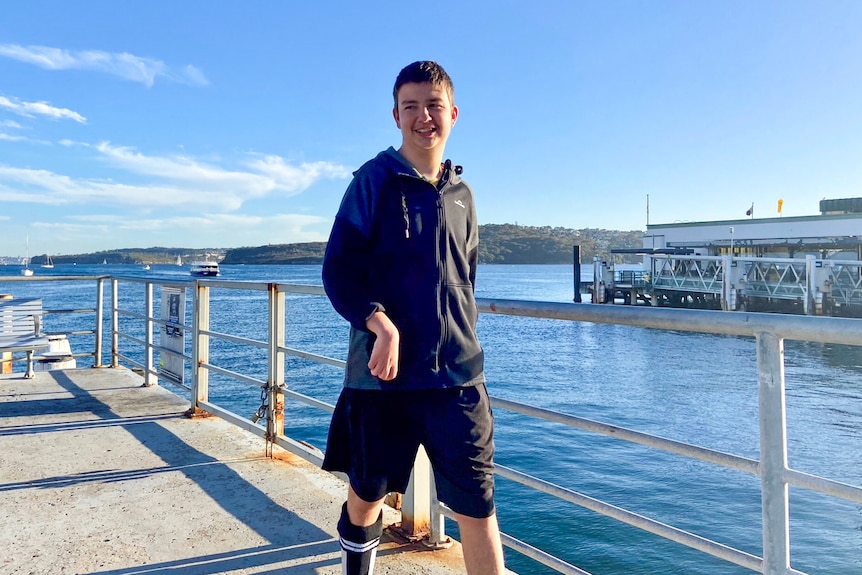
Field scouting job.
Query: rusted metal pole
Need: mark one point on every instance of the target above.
(275, 415)
(416, 503)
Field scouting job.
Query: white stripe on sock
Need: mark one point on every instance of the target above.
(371, 561)
(358, 547)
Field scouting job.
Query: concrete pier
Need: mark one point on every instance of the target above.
(101, 475)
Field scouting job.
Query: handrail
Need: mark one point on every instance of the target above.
(97, 312)
(768, 330)
(846, 331)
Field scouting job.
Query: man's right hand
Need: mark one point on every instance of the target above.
(384, 354)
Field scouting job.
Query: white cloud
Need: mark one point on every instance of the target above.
(10, 124)
(296, 178)
(33, 109)
(156, 182)
(11, 138)
(124, 65)
(45, 187)
(187, 170)
(267, 173)
(209, 229)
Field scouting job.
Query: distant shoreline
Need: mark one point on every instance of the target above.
(498, 243)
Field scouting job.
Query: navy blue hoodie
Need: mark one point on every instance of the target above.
(401, 245)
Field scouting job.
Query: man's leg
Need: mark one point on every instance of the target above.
(359, 530)
(480, 540)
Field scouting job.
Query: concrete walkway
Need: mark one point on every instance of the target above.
(101, 475)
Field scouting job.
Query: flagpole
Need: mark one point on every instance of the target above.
(647, 210)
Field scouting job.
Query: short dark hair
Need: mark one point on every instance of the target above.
(424, 71)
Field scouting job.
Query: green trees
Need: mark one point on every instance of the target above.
(498, 244)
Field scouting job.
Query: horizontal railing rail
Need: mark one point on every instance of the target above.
(819, 285)
(768, 330)
(73, 315)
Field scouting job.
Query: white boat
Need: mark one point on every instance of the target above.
(204, 269)
(179, 260)
(49, 263)
(27, 271)
(146, 266)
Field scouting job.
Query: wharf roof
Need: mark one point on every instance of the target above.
(102, 475)
(760, 221)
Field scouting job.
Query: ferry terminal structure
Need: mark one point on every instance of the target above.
(803, 264)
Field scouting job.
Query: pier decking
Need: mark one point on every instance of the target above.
(101, 475)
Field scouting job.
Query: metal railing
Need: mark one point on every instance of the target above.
(819, 284)
(846, 282)
(777, 278)
(703, 274)
(420, 509)
(769, 331)
(51, 325)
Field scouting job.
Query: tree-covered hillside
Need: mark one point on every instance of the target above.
(513, 244)
(277, 254)
(498, 244)
(156, 255)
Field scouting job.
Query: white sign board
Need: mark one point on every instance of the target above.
(172, 334)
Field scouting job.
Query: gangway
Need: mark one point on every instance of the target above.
(811, 286)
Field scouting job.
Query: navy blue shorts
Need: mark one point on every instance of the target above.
(375, 435)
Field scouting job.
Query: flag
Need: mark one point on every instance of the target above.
(750, 211)
(780, 205)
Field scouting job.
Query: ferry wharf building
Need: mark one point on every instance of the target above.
(804, 264)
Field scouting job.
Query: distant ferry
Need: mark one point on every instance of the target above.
(204, 269)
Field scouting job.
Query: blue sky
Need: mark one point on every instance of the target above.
(227, 124)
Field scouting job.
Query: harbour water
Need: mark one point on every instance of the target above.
(696, 388)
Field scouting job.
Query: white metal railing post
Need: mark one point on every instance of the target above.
(200, 346)
(598, 284)
(100, 319)
(811, 283)
(727, 303)
(773, 454)
(150, 378)
(652, 280)
(438, 538)
(416, 503)
(275, 380)
(115, 323)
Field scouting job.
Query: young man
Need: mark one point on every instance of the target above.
(400, 266)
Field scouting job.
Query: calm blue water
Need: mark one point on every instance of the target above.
(696, 388)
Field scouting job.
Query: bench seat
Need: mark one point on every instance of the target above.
(21, 329)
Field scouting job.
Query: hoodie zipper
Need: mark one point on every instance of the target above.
(442, 307)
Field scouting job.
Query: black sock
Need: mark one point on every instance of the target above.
(358, 545)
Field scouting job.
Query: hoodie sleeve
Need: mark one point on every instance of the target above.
(350, 254)
(473, 242)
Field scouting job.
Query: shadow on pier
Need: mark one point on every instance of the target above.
(102, 475)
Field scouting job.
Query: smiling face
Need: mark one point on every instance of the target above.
(425, 115)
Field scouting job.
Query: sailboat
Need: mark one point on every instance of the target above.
(49, 263)
(27, 271)
(179, 260)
